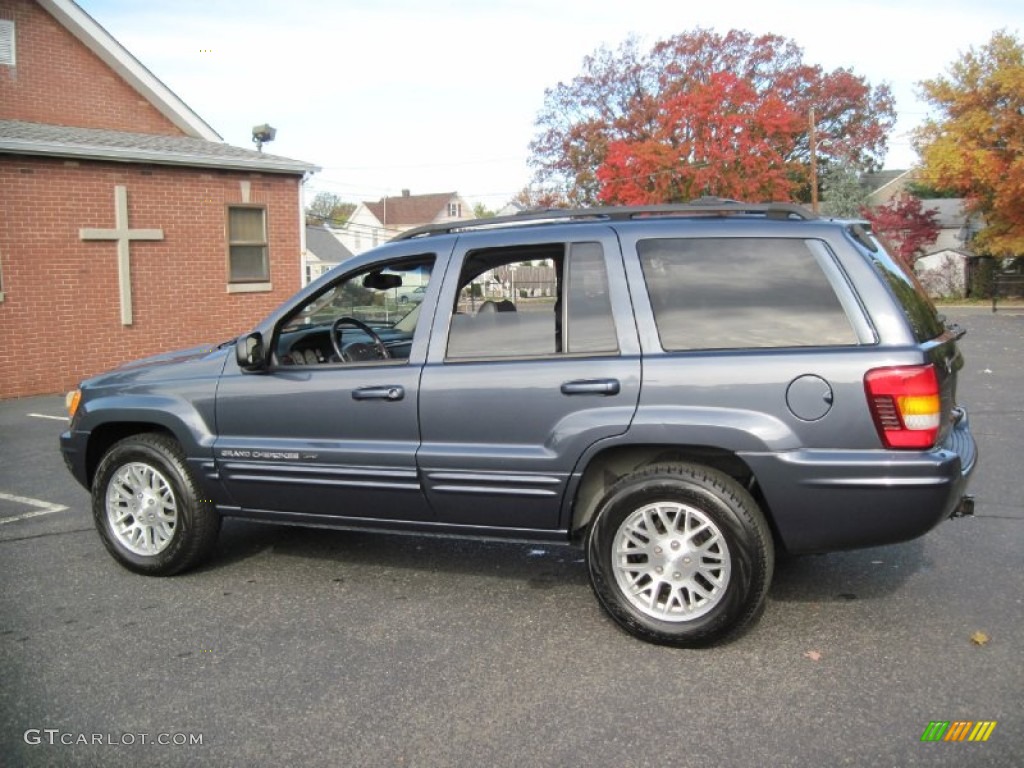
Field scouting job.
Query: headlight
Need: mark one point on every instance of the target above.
(71, 400)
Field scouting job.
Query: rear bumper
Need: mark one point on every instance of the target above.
(829, 500)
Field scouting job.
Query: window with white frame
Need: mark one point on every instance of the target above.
(248, 257)
(454, 210)
(7, 48)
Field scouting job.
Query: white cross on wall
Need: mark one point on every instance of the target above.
(123, 235)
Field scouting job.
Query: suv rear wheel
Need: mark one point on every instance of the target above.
(147, 507)
(680, 554)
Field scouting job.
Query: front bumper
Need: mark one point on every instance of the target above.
(73, 448)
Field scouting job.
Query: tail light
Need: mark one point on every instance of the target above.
(905, 404)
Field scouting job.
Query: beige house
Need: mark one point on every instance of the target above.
(373, 223)
(885, 186)
(945, 269)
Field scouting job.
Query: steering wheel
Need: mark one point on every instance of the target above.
(382, 351)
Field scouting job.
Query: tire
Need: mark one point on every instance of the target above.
(175, 528)
(640, 549)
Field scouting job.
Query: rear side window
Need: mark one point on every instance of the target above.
(533, 301)
(734, 293)
(589, 326)
(918, 308)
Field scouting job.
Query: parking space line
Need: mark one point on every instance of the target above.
(42, 507)
(48, 416)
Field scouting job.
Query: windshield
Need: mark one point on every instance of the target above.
(387, 297)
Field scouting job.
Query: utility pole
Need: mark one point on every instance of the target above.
(813, 143)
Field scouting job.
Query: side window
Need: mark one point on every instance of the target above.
(532, 301)
(733, 293)
(589, 326)
(375, 297)
(916, 305)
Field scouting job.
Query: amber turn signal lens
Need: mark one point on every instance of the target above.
(71, 400)
(905, 404)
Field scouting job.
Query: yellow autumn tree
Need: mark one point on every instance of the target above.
(976, 145)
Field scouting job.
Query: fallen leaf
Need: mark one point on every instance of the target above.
(979, 638)
(816, 655)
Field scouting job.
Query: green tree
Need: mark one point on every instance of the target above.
(481, 211)
(328, 208)
(842, 195)
(927, 191)
(976, 145)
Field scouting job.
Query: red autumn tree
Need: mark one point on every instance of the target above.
(716, 138)
(905, 225)
(635, 113)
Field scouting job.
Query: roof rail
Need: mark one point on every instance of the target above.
(704, 207)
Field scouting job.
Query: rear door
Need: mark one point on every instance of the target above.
(534, 357)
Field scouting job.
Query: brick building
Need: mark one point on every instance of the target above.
(127, 227)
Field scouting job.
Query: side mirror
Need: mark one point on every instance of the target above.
(249, 352)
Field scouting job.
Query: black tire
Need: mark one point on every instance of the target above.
(148, 507)
(672, 597)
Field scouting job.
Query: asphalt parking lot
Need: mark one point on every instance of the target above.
(310, 647)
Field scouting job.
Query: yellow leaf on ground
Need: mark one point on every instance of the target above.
(979, 638)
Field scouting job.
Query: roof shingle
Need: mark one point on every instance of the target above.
(409, 210)
(23, 138)
(325, 246)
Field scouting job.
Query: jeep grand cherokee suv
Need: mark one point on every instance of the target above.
(683, 391)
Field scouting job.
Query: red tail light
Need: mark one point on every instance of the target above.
(905, 404)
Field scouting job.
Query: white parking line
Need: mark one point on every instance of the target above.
(42, 507)
(48, 416)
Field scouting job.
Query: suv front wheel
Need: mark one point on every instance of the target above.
(680, 554)
(148, 508)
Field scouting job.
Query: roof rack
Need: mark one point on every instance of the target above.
(704, 207)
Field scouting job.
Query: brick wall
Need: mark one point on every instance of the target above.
(58, 80)
(60, 315)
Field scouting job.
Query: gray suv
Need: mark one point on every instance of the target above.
(683, 391)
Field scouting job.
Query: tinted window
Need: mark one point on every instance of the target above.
(590, 327)
(733, 293)
(532, 301)
(918, 308)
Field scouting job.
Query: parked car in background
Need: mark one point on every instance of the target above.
(412, 294)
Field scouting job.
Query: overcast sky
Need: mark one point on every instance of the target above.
(441, 96)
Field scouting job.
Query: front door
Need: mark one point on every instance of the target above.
(332, 429)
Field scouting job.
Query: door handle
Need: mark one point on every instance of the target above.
(392, 393)
(591, 387)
